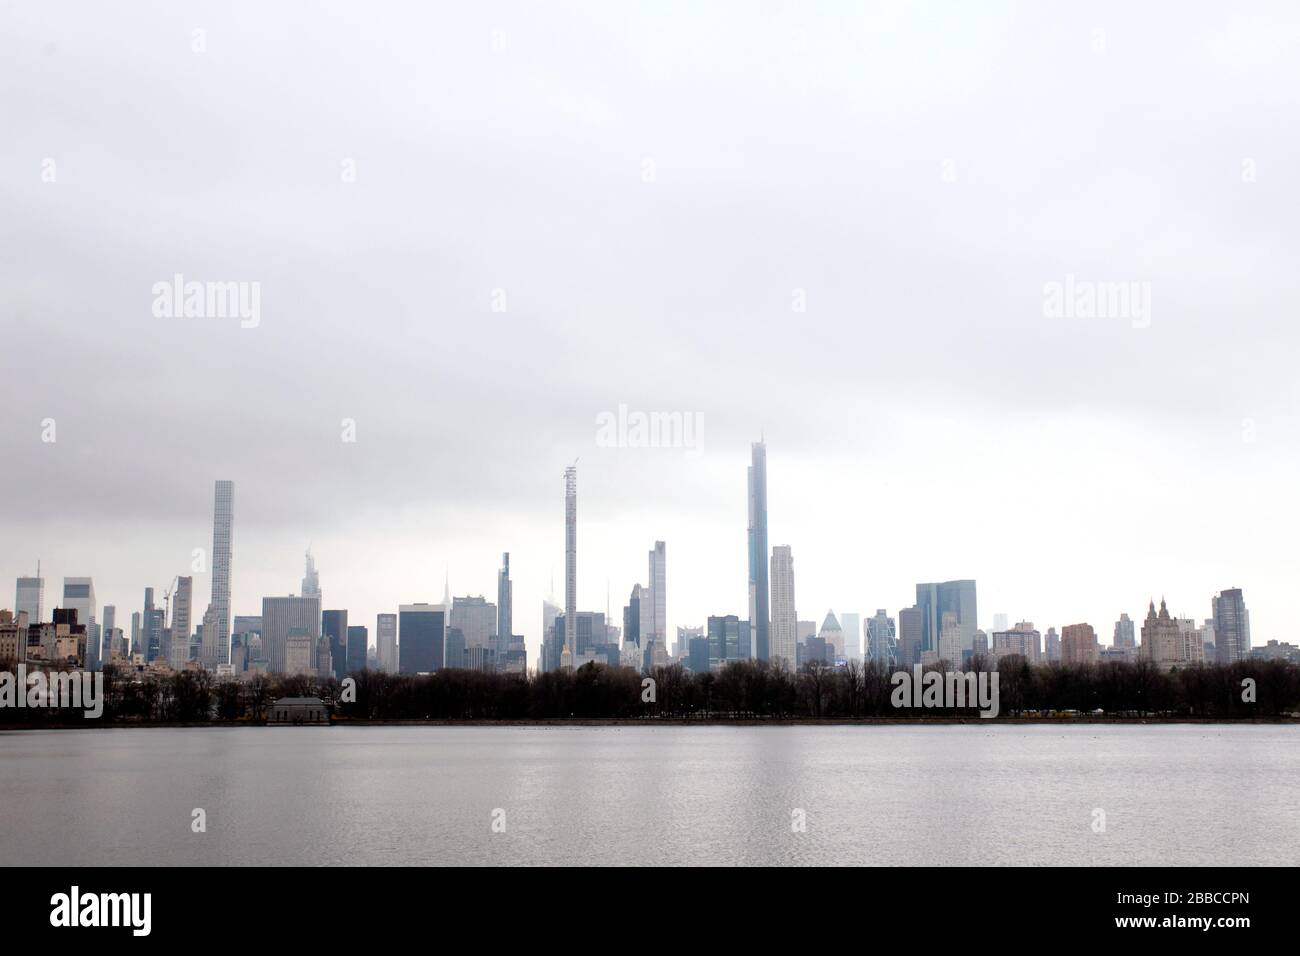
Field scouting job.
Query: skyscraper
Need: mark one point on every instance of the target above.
(1078, 644)
(222, 536)
(551, 641)
(658, 596)
(759, 616)
(784, 619)
(386, 642)
(79, 595)
(358, 641)
(832, 634)
(310, 578)
(724, 640)
(852, 625)
(152, 622)
(280, 615)
(182, 614)
(911, 636)
(1124, 636)
(571, 562)
(1052, 646)
(1231, 627)
(505, 605)
(476, 618)
(334, 625)
(109, 624)
(421, 638)
(30, 598)
(632, 618)
(1022, 640)
(882, 643)
(950, 597)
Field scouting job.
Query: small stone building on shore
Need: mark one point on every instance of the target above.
(290, 711)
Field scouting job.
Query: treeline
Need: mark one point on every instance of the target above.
(743, 690)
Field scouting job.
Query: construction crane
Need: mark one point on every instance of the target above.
(167, 601)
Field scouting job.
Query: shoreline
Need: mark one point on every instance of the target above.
(677, 722)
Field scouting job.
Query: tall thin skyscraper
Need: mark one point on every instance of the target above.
(758, 583)
(658, 608)
(505, 609)
(784, 635)
(222, 534)
(571, 560)
(31, 598)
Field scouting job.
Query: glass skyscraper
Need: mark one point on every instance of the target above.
(758, 558)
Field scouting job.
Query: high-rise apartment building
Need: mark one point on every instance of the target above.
(783, 634)
(1231, 627)
(1125, 633)
(217, 643)
(182, 618)
(1079, 644)
(658, 597)
(505, 606)
(570, 562)
(911, 636)
(759, 616)
(1023, 640)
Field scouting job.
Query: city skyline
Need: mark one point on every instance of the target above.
(946, 623)
(865, 271)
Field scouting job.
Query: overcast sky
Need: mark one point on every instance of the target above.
(648, 187)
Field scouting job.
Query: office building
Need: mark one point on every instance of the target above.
(421, 638)
(386, 642)
(280, 615)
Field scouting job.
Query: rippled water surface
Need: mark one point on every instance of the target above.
(969, 794)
